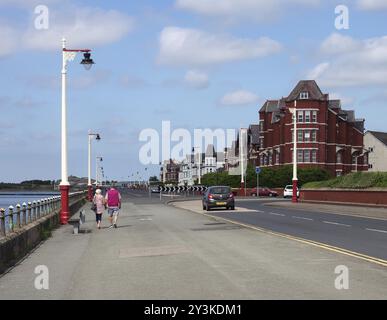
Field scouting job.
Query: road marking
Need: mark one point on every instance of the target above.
(320, 245)
(376, 230)
(309, 219)
(277, 214)
(337, 224)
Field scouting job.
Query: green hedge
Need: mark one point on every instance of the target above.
(358, 180)
(272, 178)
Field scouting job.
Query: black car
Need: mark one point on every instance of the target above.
(218, 196)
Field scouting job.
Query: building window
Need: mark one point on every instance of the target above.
(314, 136)
(261, 160)
(354, 159)
(261, 126)
(261, 144)
(339, 157)
(369, 166)
(299, 136)
(270, 159)
(304, 95)
(306, 156)
(338, 173)
(300, 156)
(314, 116)
(307, 135)
(307, 116)
(277, 158)
(314, 156)
(300, 116)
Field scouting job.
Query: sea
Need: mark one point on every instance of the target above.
(18, 197)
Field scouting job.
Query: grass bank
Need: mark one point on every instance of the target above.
(357, 180)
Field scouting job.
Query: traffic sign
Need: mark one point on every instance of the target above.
(257, 170)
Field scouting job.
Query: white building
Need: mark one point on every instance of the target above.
(210, 161)
(376, 143)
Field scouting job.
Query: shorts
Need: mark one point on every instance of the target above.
(113, 211)
(98, 217)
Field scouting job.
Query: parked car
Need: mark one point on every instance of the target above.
(218, 196)
(264, 192)
(155, 189)
(288, 191)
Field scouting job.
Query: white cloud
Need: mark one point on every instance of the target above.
(179, 46)
(345, 101)
(196, 79)
(257, 10)
(81, 26)
(239, 98)
(337, 43)
(8, 38)
(363, 65)
(372, 4)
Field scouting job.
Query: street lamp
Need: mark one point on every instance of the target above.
(200, 161)
(96, 170)
(89, 185)
(293, 111)
(67, 55)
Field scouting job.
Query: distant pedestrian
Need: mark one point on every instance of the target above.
(99, 202)
(113, 201)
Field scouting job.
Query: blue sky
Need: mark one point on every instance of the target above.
(198, 64)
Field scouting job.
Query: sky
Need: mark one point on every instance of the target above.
(195, 63)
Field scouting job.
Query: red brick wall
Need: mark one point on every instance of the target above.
(345, 196)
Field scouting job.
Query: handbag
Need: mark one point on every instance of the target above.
(94, 207)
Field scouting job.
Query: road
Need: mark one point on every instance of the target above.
(364, 235)
(162, 252)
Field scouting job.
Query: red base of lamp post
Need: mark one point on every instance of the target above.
(243, 190)
(65, 211)
(90, 193)
(294, 196)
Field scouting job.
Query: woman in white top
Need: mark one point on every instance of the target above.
(99, 201)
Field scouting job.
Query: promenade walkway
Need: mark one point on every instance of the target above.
(163, 252)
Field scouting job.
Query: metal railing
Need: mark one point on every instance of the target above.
(17, 217)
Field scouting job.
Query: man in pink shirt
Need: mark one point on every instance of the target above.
(113, 201)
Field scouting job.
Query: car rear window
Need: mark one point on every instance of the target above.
(220, 190)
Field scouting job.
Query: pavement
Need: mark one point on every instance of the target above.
(164, 252)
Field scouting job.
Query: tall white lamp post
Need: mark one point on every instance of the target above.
(293, 111)
(97, 170)
(89, 185)
(67, 55)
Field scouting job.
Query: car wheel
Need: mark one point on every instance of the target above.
(270, 194)
(253, 194)
(233, 208)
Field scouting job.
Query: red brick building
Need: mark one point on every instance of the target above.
(327, 136)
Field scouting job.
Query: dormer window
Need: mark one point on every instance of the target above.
(304, 95)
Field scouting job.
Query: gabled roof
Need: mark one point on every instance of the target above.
(334, 104)
(210, 151)
(273, 105)
(381, 136)
(309, 86)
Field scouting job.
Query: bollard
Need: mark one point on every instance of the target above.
(46, 206)
(42, 207)
(29, 212)
(18, 206)
(2, 222)
(38, 208)
(24, 211)
(35, 206)
(10, 218)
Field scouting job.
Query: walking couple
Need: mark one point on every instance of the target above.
(112, 201)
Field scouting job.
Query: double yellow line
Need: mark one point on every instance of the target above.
(353, 254)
